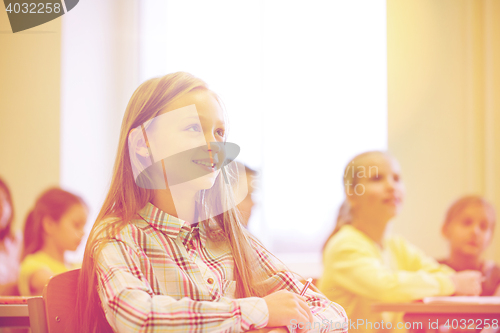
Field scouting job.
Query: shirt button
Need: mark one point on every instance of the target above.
(210, 280)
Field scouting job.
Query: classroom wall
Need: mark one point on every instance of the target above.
(443, 109)
(29, 110)
(79, 71)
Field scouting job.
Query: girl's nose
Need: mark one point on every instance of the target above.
(213, 146)
(209, 135)
(390, 184)
(476, 229)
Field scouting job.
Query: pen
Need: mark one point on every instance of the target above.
(308, 282)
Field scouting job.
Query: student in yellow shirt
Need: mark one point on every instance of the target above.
(54, 226)
(362, 266)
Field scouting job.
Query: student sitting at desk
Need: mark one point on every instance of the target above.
(54, 226)
(362, 267)
(168, 252)
(468, 227)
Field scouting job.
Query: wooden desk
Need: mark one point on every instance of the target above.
(428, 317)
(14, 315)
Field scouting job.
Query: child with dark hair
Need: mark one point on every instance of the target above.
(54, 226)
(468, 227)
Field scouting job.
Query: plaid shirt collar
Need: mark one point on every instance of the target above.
(170, 225)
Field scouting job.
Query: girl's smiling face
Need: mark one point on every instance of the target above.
(377, 189)
(469, 232)
(180, 136)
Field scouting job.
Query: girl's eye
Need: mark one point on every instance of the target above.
(484, 225)
(466, 222)
(194, 128)
(79, 225)
(376, 177)
(220, 132)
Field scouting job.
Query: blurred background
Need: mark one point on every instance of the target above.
(307, 85)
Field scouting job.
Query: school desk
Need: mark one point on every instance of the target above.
(455, 312)
(14, 311)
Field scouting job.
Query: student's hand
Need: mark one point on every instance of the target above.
(284, 306)
(467, 283)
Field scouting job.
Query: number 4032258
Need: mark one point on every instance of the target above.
(33, 8)
(471, 324)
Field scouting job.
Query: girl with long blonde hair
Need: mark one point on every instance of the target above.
(167, 252)
(363, 264)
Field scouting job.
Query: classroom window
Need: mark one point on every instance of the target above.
(305, 86)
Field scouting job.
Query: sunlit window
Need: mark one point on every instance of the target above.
(305, 87)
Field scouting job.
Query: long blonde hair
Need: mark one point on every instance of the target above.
(125, 199)
(350, 180)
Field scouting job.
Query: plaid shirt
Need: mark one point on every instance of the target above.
(160, 275)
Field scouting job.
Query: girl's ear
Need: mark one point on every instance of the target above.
(139, 154)
(48, 225)
(137, 143)
(444, 230)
